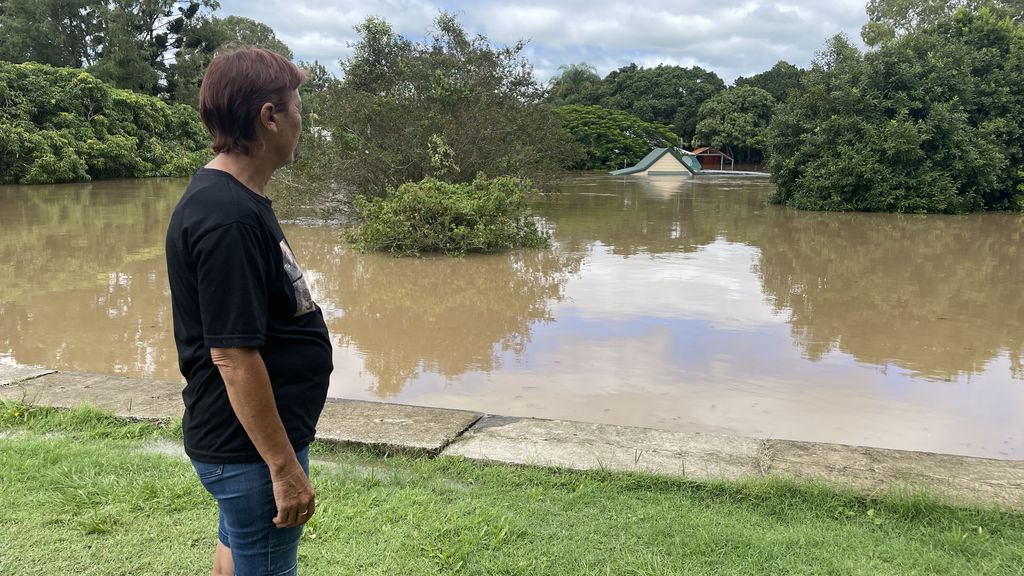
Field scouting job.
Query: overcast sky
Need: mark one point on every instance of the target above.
(730, 37)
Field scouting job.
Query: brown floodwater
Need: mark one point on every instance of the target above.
(684, 304)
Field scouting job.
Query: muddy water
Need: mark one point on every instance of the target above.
(679, 304)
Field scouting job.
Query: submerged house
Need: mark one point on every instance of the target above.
(663, 162)
(713, 158)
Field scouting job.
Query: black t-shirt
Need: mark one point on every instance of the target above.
(235, 284)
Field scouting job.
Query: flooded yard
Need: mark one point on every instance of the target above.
(676, 303)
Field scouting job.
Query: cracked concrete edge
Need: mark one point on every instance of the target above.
(956, 480)
(585, 446)
(11, 375)
(392, 428)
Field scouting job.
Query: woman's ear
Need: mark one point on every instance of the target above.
(267, 120)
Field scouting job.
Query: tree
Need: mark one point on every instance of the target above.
(664, 94)
(54, 32)
(140, 37)
(248, 32)
(929, 122)
(450, 107)
(207, 35)
(611, 138)
(158, 47)
(890, 19)
(737, 118)
(64, 125)
(575, 84)
(779, 81)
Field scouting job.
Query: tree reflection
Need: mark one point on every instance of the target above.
(937, 295)
(437, 314)
(82, 276)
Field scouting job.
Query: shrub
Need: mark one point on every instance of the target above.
(486, 215)
(63, 125)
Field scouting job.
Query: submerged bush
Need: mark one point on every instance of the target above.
(486, 215)
(64, 125)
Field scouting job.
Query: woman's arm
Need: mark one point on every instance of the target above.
(252, 398)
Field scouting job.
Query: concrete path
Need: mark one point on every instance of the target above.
(577, 445)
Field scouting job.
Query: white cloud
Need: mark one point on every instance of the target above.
(733, 39)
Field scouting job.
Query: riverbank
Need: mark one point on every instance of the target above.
(87, 493)
(418, 431)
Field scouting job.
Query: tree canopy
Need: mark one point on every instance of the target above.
(449, 107)
(55, 32)
(611, 138)
(575, 84)
(64, 125)
(890, 19)
(778, 81)
(209, 35)
(157, 47)
(664, 94)
(928, 122)
(736, 119)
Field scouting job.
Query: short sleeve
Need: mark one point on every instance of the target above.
(231, 270)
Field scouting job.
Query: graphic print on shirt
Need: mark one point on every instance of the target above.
(303, 299)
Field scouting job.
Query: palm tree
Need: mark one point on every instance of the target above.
(575, 84)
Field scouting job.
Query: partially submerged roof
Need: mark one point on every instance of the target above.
(710, 151)
(689, 162)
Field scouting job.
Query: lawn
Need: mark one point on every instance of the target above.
(85, 493)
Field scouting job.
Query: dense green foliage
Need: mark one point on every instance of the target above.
(736, 119)
(669, 95)
(611, 138)
(663, 94)
(449, 108)
(486, 215)
(157, 47)
(55, 32)
(84, 492)
(64, 125)
(928, 122)
(211, 33)
(890, 19)
(778, 81)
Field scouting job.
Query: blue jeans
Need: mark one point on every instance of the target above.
(245, 500)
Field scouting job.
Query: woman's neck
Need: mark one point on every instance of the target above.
(253, 171)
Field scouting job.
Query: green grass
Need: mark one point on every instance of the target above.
(80, 496)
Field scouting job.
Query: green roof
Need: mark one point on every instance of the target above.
(690, 162)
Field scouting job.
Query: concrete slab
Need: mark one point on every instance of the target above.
(575, 445)
(12, 374)
(958, 479)
(122, 396)
(392, 427)
(584, 446)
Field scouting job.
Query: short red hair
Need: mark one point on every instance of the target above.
(236, 85)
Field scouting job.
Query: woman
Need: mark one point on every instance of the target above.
(252, 344)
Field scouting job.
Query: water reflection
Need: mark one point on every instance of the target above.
(82, 284)
(651, 215)
(936, 295)
(441, 315)
(674, 303)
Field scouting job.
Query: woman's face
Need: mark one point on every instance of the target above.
(282, 143)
